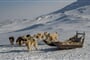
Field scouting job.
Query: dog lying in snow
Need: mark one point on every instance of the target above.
(11, 39)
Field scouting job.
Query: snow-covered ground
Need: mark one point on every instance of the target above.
(66, 24)
(44, 52)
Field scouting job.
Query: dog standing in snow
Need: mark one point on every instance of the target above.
(11, 39)
(31, 43)
(53, 37)
(20, 41)
(48, 38)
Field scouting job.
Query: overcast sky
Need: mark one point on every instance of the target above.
(29, 9)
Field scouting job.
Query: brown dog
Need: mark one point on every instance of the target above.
(11, 39)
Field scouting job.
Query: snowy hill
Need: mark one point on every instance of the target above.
(57, 19)
(77, 18)
(77, 4)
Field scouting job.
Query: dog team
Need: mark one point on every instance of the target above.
(31, 41)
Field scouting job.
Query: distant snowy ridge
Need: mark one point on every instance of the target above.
(77, 4)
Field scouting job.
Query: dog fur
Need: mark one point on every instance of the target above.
(11, 39)
(20, 41)
(31, 43)
(48, 37)
(53, 36)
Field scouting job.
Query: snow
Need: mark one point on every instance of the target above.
(66, 24)
(44, 52)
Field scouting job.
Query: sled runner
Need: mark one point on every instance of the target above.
(50, 44)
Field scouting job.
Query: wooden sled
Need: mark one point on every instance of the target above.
(72, 43)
